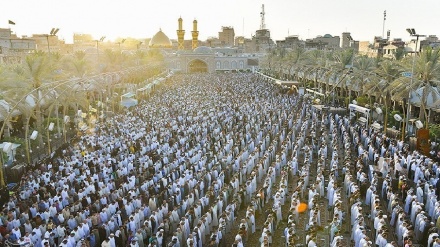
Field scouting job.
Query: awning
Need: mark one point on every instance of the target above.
(376, 126)
(359, 108)
(128, 95)
(129, 102)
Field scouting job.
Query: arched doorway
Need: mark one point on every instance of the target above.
(198, 66)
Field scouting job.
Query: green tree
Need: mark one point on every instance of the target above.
(426, 75)
(379, 83)
(78, 64)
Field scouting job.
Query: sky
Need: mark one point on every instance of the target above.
(143, 18)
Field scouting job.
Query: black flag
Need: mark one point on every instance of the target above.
(11, 22)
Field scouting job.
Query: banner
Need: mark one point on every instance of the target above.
(423, 141)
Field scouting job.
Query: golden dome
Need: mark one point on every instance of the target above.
(160, 40)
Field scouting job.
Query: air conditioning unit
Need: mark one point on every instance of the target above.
(34, 135)
(66, 119)
(51, 125)
(419, 124)
(397, 117)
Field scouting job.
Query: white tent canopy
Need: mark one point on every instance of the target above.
(432, 100)
(11, 150)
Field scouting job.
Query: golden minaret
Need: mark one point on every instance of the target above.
(195, 35)
(180, 36)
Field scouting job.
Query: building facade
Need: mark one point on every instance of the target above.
(12, 48)
(227, 36)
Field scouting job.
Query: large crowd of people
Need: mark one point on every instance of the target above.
(206, 155)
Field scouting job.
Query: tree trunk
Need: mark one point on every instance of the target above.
(48, 131)
(385, 125)
(38, 117)
(26, 139)
(64, 125)
(423, 102)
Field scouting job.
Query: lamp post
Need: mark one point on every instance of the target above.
(412, 33)
(97, 45)
(122, 42)
(53, 32)
(139, 45)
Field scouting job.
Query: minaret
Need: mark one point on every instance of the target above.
(180, 36)
(263, 22)
(195, 35)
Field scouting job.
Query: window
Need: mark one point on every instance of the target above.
(241, 65)
(226, 65)
(234, 64)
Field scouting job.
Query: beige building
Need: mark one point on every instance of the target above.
(227, 36)
(389, 51)
(206, 59)
(203, 58)
(328, 41)
(48, 43)
(345, 42)
(12, 48)
(365, 48)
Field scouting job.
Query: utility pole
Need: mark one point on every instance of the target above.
(383, 26)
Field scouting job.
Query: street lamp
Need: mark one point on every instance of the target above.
(122, 42)
(53, 32)
(97, 44)
(139, 45)
(412, 33)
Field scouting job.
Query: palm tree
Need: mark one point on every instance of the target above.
(425, 76)
(297, 59)
(27, 112)
(35, 69)
(113, 60)
(379, 83)
(4, 111)
(71, 98)
(362, 67)
(399, 54)
(79, 65)
(341, 61)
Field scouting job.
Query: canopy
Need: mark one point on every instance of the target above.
(128, 95)
(6, 106)
(11, 151)
(129, 102)
(432, 100)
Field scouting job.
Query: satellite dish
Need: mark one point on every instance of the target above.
(34, 135)
(66, 119)
(378, 110)
(51, 125)
(355, 102)
(397, 117)
(419, 124)
(79, 113)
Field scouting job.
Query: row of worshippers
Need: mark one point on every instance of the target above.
(395, 191)
(99, 170)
